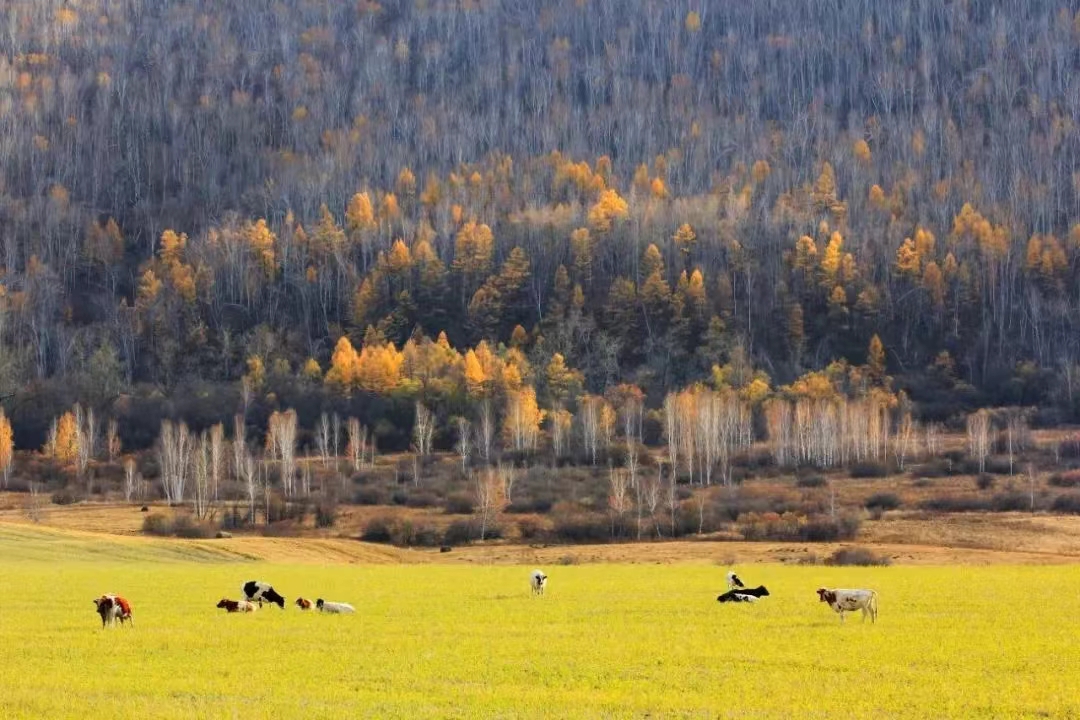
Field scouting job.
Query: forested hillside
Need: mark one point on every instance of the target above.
(212, 207)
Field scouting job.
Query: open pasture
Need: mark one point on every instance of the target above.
(469, 641)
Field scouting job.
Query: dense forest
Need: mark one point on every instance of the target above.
(210, 208)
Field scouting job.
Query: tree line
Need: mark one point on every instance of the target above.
(205, 207)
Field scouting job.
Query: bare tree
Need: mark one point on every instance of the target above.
(1032, 477)
(322, 438)
(130, 478)
(357, 443)
(112, 440)
(979, 428)
(1016, 431)
(281, 441)
(423, 429)
(173, 445)
(464, 441)
(618, 502)
(508, 475)
(486, 435)
(903, 439)
(489, 498)
(933, 439)
(672, 429)
(336, 424)
(248, 471)
(200, 476)
(217, 460)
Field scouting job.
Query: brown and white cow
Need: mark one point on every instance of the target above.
(303, 603)
(237, 606)
(113, 608)
(843, 601)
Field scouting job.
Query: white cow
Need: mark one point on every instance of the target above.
(849, 601)
(537, 581)
(336, 608)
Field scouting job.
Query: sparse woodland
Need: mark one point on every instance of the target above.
(246, 247)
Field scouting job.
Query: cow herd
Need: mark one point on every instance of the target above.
(113, 608)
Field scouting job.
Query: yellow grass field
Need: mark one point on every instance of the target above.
(461, 640)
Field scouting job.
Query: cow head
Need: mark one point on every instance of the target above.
(319, 603)
(762, 591)
(103, 603)
(826, 596)
(223, 604)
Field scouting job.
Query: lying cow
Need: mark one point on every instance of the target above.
(744, 594)
(849, 601)
(237, 606)
(336, 608)
(255, 591)
(537, 581)
(113, 608)
(303, 603)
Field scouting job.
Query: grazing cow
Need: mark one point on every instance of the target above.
(733, 581)
(303, 603)
(849, 601)
(112, 608)
(237, 606)
(537, 581)
(744, 594)
(336, 608)
(256, 591)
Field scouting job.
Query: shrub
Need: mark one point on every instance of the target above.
(65, 496)
(326, 514)
(791, 527)
(460, 532)
(582, 527)
(541, 505)
(882, 501)
(185, 526)
(421, 535)
(422, 499)
(1070, 447)
(530, 529)
(371, 495)
(869, 469)
(856, 556)
(1010, 502)
(379, 530)
(1069, 503)
(460, 505)
(985, 481)
(951, 503)
(811, 481)
(1067, 479)
(156, 524)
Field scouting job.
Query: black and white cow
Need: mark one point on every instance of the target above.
(744, 594)
(537, 582)
(849, 601)
(733, 581)
(255, 591)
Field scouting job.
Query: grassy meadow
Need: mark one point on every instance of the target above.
(469, 641)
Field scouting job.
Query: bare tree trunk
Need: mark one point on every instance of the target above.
(464, 441)
(357, 442)
(173, 460)
(217, 460)
(487, 428)
(322, 438)
(129, 478)
(423, 429)
(200, 475)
